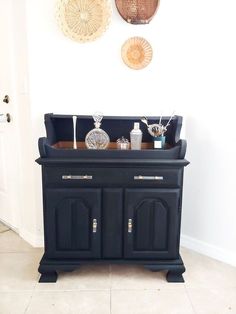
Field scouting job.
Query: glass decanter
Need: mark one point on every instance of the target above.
(97, 138)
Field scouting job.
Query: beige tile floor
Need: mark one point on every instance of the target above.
(209, 288)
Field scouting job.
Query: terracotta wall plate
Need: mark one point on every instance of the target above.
(136, 53)
(83, 20)
(137, 11)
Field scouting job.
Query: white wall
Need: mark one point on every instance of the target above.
(193, 71)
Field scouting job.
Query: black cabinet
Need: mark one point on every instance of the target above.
(110, 206)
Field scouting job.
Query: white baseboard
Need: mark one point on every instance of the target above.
(210, 250)
(31, 238)
(9, 225)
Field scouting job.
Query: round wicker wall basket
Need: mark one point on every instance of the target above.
(136, 53)
(137, 11)
(82, 20)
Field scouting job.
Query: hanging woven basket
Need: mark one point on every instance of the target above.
(136, 53)
(137, 11)
(82, 20)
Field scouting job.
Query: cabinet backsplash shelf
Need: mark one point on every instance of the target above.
(60, 127)
(59, 138)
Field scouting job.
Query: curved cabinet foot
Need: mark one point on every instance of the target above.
(175, 275)
(49, 269)
(174, 269)
(48, 277)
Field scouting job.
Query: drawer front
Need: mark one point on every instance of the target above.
(91, 177)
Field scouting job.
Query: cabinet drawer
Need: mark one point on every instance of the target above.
(136, 177)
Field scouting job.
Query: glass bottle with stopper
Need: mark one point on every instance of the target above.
(97, 138)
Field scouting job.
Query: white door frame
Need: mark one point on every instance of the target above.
(10, 210)
(25, 220)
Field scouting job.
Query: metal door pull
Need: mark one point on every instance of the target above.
(79, 177)
(159, 178)
(95, 224)
(130, 225)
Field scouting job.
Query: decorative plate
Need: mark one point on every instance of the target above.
(137, 11)
(83, 20)
(136, 53)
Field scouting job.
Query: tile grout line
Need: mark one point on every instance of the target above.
(30, 300)
(84, 290)
(70, 290)
(92, 290)
(110, 276)
(22, 252)
(33, 293)
(190, 300)
(110, 281)
(110, 301)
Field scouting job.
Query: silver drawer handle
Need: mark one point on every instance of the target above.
(159, 178)
(71, 177)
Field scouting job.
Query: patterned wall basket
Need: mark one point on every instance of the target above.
(137, 11)
(136, 53)
(82, 20)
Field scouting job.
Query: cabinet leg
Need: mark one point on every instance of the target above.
(175, 275)
(48, 272)
(48, 277)
(49, 269)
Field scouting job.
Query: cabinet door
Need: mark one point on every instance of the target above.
(151, 223)
(72, 223)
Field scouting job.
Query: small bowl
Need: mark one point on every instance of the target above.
(122, 143)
